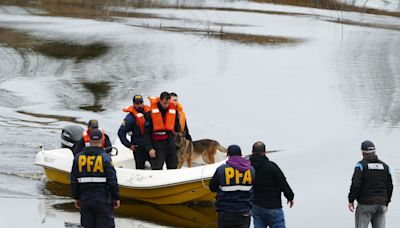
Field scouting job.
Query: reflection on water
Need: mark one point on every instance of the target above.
(64, 65)
(23, 42)
(172, 215)
(370, 77)
(110, 74)
(62, 50)
(99, 90)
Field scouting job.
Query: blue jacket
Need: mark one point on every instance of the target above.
(130, 125)
(234, 188)
(93, 176)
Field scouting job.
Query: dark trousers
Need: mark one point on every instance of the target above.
(141, 156)
(233, 220)
(97, 215)
(165, 152)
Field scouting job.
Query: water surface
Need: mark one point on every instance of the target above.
(304, 78)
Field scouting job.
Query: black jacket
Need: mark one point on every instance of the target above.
(130, 125)
(81, 144)
(104, 187)
(371, 182)
(269, 183)
(148, 131)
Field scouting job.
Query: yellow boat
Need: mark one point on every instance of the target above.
(153, 186)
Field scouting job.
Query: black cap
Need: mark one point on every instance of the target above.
(137, 99)
(368, 147)
(93, 124)
(96, 134)
(234, 150)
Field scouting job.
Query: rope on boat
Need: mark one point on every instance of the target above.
(202, 177)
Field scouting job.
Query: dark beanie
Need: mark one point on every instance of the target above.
(234, 150)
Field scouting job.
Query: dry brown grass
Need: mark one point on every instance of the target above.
(57, 117)
(98, 9)
(78, 8)
(228, 36)
(330, 5)
(364, 24)
(14, 39)
(257, 39)
(23, 42)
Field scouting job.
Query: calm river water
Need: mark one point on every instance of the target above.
(304, 78)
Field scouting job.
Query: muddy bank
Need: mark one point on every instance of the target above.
(331, 5)
(102, 9)
(24, 42)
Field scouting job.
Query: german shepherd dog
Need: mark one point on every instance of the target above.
(188, 151)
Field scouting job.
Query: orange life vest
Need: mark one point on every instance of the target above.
(182, 116)
(140, 118)
(86, 138)
(159, 123)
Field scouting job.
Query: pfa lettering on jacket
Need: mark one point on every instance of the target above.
(237, 177)
(91, 163)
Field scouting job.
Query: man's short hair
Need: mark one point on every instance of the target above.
(165, 95)
(258, 148)
(173, 94)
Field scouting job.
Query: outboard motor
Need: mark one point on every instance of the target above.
(70, 135)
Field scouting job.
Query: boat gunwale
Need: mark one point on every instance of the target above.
(130, 187)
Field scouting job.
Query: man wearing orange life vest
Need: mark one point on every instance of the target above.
(182, 116)
(159, 129)
(134, 123)
(85, 141)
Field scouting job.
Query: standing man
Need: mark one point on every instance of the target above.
(94, 184)
(134, 123)
(159, 129)
(233, 183)
(372, 187)
(182, 116)
(269, 184)
(85, 141)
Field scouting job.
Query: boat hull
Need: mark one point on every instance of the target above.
(174, 194)
(172, 186)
